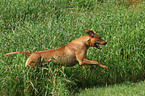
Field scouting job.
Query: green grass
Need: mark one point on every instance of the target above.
(34, 25)
(125, 89)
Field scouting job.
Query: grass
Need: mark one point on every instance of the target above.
(125, 89)
(34, 25)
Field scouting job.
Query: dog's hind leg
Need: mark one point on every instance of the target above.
(33, 60)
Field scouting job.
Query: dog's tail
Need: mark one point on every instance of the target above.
(26, 53)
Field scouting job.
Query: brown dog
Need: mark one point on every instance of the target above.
(69, 54)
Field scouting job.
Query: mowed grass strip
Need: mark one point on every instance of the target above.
(124, 89)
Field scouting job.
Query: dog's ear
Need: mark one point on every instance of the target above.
(90, 33)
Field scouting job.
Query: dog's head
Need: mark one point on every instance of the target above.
(95, 39)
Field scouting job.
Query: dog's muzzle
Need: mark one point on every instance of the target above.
(98, 46)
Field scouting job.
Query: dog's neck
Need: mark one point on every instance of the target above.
(83, 41)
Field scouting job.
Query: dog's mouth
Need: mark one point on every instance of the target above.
(98, 46)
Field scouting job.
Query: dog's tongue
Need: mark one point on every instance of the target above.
(99, 47)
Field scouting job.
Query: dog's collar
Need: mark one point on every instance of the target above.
(89, 42)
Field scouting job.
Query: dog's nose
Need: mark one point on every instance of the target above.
(105, 43)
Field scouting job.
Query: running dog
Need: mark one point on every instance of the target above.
(70, 54)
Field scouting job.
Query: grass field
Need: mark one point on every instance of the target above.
(125, 89)
(33, 25)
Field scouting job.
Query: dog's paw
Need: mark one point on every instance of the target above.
(104, 67)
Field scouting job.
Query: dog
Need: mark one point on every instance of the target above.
(70, 54)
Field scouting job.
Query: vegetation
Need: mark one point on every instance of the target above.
(126, 89)
(33, 25)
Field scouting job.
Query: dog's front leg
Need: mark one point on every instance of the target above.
(89, 62)
(82, 61)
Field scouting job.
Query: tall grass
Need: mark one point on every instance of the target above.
(34, 25)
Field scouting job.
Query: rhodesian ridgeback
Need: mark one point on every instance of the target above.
(70, 54)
